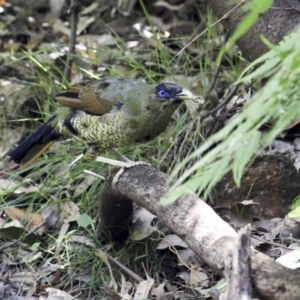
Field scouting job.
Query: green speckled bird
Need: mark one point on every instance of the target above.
(105, 113)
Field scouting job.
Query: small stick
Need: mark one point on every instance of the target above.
(73, 10)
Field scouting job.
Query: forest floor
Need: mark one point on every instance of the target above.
(50, 246)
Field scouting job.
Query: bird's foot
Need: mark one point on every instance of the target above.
(130, 164)
(122, 165)
(114, 162)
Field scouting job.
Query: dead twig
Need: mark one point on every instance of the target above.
(223, 103)
(289, 7)
(73, 11)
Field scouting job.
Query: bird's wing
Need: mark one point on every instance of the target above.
(96, 96)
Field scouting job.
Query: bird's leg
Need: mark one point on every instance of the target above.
(123, 162)
(90, 153)
(118, 155)
(128, 163)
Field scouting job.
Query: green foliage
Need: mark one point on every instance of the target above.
(296, 202)
(234, 145)
(295, 213)
(255, 7)
(84, 220)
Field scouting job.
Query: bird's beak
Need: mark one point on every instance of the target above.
(184, 95)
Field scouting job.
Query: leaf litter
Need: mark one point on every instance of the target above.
(57, 264)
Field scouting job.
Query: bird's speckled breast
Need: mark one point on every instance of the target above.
(115, 129)
(106, 131)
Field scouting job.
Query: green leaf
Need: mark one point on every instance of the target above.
(243, 156)
(216, 175)
(84, 220)
(296, 202)
(294, 213)
(173, 195)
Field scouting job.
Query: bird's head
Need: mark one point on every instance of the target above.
(164, 97)
(151, 99)
(171, 93)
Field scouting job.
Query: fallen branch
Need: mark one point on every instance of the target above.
(203, 230)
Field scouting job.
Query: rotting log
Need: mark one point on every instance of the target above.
(203, 230)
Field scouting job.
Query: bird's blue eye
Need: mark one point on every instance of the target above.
(163, 94)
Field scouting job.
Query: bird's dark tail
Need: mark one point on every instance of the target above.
(35, 145)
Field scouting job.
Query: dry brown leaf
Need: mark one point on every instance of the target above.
(33, 220)
(126, 288)
(143, 289)
(198, 277)
(56, 294)
(103, 256)
(49, 266)
(84, 22)
(171, 240)
(158, 293)
(8, 186)
(89, 9)
(59, 26)
(95, 40)
(87, 181)
(188, 257)
(62, 233)
(23, 277)
(69, 212)
(141, 227)
(83, 240)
